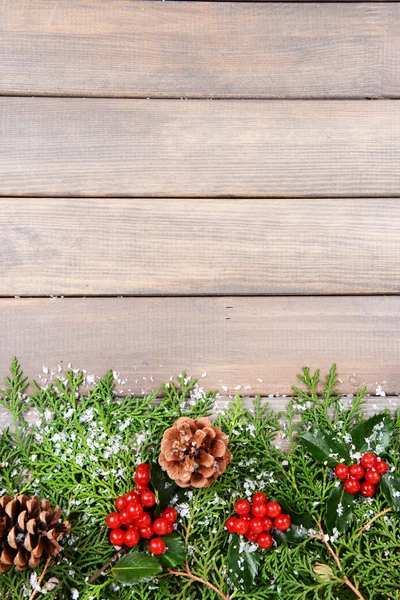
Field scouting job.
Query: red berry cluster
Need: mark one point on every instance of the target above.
(133, 523)
(257, 520)
(362, 477)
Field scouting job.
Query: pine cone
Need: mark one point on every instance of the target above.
(194, 452)
(29, 529)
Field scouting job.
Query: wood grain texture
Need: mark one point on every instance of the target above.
(199, 148)
(198, 49)
(236, 341)
(65, 246)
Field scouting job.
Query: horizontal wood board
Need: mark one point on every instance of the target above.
(199, 49)
(251, 345)
(66, 246)
(199, 148)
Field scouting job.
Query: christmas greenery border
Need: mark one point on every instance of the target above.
(83, 452)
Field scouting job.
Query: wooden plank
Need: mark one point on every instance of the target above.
(236, 341)
(199, 148)
(197, 49)
(183, 246)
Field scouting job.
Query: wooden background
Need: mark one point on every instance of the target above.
(202, 186)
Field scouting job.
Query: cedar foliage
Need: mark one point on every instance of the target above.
(83, 452)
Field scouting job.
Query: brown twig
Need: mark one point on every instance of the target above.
(374, 518)
(112, 560)
(189, 575)
(346, 580)
(39, 581)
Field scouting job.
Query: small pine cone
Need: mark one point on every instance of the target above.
(194, 452)
(29, 529)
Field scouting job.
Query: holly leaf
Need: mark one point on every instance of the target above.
(374, 434)
(300, 525)
(175, 553)
(242, 564)
(339, 510)
(324, 446)
(164, 486)
(390, 486)
(136, 567)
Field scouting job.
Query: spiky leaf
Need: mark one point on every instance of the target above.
(136, 567)
(175, 553)
(324, 446)
(339, 510)
(390, 486)
(298, 531)
(374, 434)
(242, 564)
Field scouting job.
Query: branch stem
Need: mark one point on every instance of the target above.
(112, 560)
(39, 581)
(189, 575)
(346, 580)
(374, 518)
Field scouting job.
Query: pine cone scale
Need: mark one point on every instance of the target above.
(194, 452)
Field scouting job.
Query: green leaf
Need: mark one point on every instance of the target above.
(163, 485)
(136, 567)
(242, 564)
(339, 510)
(390, 486)
(373, 434)
(324, 446)
(298, 532)
(175, 553)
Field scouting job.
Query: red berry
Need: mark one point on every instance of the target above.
(273, 509)
(113, 520)
(143, 467)
(139, 488)
(120, 503)
(126, 518)
(247, 517)
(132, 497)
(342, 471)
(134, 510)
(160, 526)
(381, 466)
(356, 471)
(143, 520)
(368, 460)
(265, 540)
(259, 509)
(148, 499)
(242, 526)
(146, 532)
(170, 527)
(131, 538)
(372, 476)
(170, 514)
(142, 477)
(352, 485)
(367, 489)
(256, 525)
(267, 524)
(242, 507)
(282, 522)
(117, 537)
(157, 546)
(231, 524)
(259, 497)
(252, 537)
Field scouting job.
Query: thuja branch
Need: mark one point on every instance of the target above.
(189, 575)
(323, 538)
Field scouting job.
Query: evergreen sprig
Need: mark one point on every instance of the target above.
(83, 452)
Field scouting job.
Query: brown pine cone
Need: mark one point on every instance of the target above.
(29, 529)
(194, 452)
